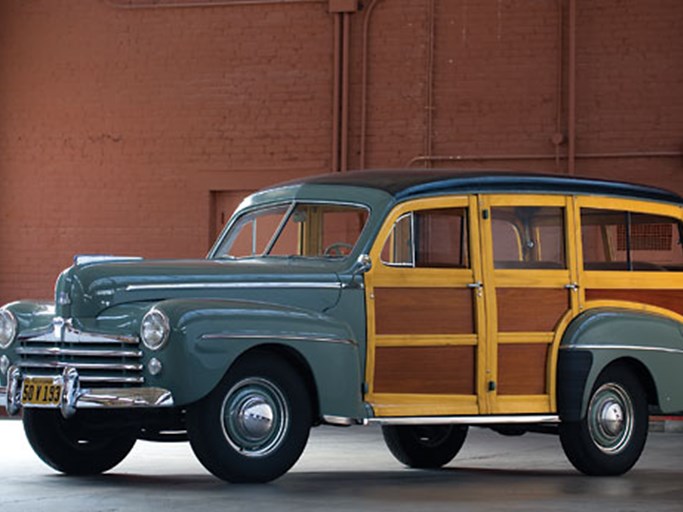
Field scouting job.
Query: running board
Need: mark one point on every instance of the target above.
(517, 419)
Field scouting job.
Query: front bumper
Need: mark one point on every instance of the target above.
(76, 397)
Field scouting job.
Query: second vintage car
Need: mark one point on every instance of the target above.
(424, 301)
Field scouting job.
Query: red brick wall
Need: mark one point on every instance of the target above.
(119, 126)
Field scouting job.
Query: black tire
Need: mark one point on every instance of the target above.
(69, 446)
(255, 424)
(610, 438)
(424, 446)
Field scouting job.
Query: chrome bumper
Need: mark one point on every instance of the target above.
(74, 397)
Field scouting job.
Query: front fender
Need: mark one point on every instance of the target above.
(599, 337)
(208, 336)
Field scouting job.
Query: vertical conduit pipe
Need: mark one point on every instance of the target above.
(571, 120)
(346, 44)
(364, 83)
(558, 136)
(335, 92)
(428, 147)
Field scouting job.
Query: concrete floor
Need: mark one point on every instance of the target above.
(350, 469)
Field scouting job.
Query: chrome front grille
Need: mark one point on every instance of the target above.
(101, 360)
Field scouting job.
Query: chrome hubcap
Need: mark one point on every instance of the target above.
(610, 418)
(255, 417)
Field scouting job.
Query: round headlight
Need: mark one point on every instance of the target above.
(8, 328)
(154, 329)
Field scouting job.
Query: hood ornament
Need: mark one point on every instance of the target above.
(84, 259)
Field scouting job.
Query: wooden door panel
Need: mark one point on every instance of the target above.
(531, 309)
(667, 299)
(426, 370)
(522, 368)
(424, 311)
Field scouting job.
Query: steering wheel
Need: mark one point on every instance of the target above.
(338, 249)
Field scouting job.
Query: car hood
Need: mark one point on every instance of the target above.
(87, 289)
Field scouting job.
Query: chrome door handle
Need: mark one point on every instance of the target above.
(572, 286)
(478, 286)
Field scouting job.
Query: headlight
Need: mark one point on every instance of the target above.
(8, 328)
(154, 329)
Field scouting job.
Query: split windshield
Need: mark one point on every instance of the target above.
(295, 229)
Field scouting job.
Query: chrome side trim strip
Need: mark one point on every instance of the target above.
(623, 347)
(519, 419)
(70, 352)
(231, 286)
(279, 337)
(113, 380)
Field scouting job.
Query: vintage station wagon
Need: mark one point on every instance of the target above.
(424, 301)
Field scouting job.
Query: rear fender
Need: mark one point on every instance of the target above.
(652, 344)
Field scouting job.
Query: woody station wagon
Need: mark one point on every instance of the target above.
(423, 301)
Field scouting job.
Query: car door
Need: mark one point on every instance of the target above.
(426, 311)
(531, 291)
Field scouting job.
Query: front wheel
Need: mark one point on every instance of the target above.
(424, 446)
(254, 425)
(610, 438)
(73, 447)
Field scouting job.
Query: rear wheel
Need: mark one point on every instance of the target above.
(71, 446)
(424, 446)
(612, 435)
(254, 425)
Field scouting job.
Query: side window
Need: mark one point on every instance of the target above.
(622, 240)
(429, 239)
(528, 237)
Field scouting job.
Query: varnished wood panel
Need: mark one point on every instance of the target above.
(667, 299)
(424, 311)
(530, 309)
(429, 370)
(522, 369)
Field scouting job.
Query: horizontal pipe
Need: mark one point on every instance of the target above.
(207, 3)
(476, 158)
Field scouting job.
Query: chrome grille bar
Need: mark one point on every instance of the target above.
(81, 366)
(70, 352)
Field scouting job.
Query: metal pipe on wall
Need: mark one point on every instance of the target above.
(429, 106)
(336, 100)
(558, 137)
(571, 93)
(346, 46)
(364, 82)
(155, 4)
(340, 93)
(513, 157)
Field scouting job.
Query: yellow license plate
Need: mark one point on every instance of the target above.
(41, 391)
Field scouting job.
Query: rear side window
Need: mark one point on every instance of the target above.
(623, 240)
(528, 237)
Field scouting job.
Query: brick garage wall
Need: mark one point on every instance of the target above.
(116, 125)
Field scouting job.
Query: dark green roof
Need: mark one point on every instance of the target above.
(406, 183)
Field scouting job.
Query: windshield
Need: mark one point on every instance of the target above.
(295, 229)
